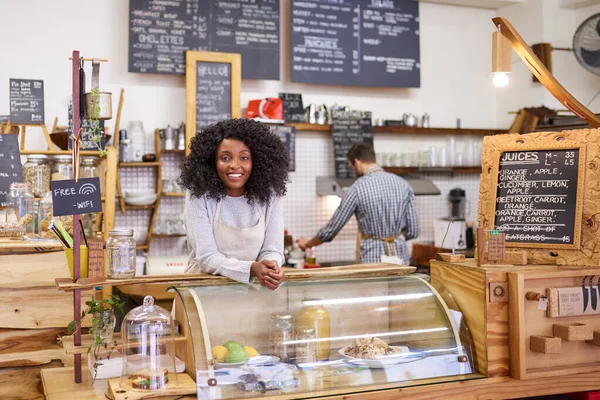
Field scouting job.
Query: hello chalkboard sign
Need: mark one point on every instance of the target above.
(537, 196)
(160, 33)
(287, 134)
(10, 165)
(348, 128)
(356, 42)
(293, 109)
(26, 102)
(213, 84)
(70, 197)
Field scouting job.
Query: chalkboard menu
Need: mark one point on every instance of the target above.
(293, 110)
(213, 93)
(10, 165)
(287, 134)
(348, 128)
(26, 101)
(160, 32)
(356, 42)
(90, 130)
(537, 196)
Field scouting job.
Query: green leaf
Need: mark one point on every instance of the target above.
(71, 327)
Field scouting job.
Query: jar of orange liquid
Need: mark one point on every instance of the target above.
(314, 315)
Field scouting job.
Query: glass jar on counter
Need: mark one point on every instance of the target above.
(314, 315)
(121, 254)
(306, 348)
(36, 172)
(21, 199)
(90, 168)
(45, 214)
(282, 332)
(62, 166)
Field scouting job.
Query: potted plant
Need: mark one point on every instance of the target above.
(103, 325)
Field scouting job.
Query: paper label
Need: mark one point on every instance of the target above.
(578, 301)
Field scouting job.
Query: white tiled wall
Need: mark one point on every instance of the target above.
(305, 211)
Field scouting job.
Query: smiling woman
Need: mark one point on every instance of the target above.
(235, 175)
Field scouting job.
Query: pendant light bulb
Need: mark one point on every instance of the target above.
(500, 79)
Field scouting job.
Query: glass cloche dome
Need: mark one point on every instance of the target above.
(148, 348)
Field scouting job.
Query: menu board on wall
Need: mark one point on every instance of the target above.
(356, 42)
(348, 128)
(26, 101)
(537, 196)
(287, 134)
(160, 32)
(10, 165)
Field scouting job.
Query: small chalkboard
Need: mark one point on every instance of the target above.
(293, 110)
(4, 118)
(348, 128)
(287, 134)
(90, 130)
(26, 102)
(10, 165)
(536, 196)
(70, 197)
(213, 84)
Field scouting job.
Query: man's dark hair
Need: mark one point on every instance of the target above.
(270, 161)
(362, 151)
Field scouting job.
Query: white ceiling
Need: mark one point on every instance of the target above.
(575, 4)
(491, 4)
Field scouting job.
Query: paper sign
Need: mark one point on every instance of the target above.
(81, 197)
(578, 301)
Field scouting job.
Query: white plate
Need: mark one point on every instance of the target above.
(139, 194)
(141, 201)
(403, 355)
(229, 365)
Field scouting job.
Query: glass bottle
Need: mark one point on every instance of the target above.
(314, 315)
(306, 348)
(148, 348)
(282, 332)
(121, 254)
(36, 172)
(62, 164)
(89, 167)
(45, 214)
(138, 141)
(22, 200)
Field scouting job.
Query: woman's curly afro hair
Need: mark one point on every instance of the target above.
(270, 161)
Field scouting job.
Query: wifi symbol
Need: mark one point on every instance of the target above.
(87, 189)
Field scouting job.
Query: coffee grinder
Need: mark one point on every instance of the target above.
(450, 232)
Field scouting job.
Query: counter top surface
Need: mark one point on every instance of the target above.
(20, 246)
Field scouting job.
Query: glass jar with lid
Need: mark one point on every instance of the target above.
(121, 254)
(306, 346)
(21, 199)
(45, 214)
(314, 315)
(148, 348)
(138, 141)
(281, 333)
(90, 168)
(62, 167)
(36, 172)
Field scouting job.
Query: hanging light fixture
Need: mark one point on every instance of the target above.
(501, 58)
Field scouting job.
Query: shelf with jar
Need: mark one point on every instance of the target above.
(403, 130)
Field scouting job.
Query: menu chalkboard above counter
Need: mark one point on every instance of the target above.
(26, 102)
(348, 128)
(537, 196)
(10, 165)
(287, 134)
(356, 42)
(160, 33)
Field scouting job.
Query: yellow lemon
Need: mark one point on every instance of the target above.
(219, 353)
(251, 351)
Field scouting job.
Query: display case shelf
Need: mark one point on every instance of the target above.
(88, 340)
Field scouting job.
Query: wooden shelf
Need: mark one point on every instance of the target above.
(59, 152)
(176, 151)
(165, 235)
(131, 207)
(415, 170)
(407, 130)
(139, 164)
(142, 247)
(358, 271)
(174, 194)
(88, 340)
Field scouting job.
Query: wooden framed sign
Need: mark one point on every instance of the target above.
(212, 85)
(539, 190)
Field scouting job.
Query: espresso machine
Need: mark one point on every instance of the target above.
(450, 232)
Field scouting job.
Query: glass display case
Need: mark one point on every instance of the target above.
(317, 337)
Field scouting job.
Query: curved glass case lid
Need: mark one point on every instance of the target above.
(376, 331)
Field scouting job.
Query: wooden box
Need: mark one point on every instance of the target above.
(545, 344)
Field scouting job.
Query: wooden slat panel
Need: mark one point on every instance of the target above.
(33, 270)
(23, 383)
(26, 347)
(37, 309)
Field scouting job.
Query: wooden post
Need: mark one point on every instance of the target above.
(76, 229)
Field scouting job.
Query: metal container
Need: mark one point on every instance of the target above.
(104, 100)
